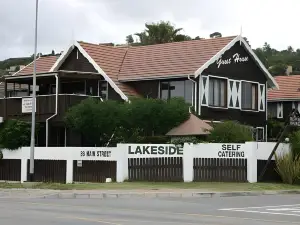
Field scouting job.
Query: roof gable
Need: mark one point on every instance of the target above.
(271, 81)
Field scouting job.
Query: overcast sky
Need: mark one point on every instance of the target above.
(98, 21)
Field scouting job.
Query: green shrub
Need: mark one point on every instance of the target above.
(153, 140)
(295, 143)
(288, 167)
(182, 140)
(230, 132)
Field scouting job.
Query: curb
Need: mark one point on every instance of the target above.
(165, 194)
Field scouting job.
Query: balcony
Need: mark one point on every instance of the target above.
(17, 107)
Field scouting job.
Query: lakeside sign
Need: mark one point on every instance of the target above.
(231, 151)
(236, 58)
(154, 150)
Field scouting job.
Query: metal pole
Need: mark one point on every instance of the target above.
(32, 143)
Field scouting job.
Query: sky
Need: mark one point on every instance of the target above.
(104, 21)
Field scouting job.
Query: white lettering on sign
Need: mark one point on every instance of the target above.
(155, 150)
(95, 153)
(236, 58)
(231, 151)
(27, 105)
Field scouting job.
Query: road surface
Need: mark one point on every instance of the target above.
(259, 210)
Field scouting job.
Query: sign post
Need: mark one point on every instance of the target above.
(293, 120)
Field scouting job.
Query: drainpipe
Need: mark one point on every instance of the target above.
(193, 93)
(56, 108)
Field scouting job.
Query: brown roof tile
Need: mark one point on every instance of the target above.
(289, 88)
(170, 59)
(43, 65)
(110, 60)
(192, 126)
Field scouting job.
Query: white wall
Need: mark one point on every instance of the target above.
(252, 151)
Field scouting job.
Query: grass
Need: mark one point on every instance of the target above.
(213, 186)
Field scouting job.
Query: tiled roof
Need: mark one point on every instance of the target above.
(192, 126)
(43, 65)
(110, 60)
(170, 59)
(289, 88)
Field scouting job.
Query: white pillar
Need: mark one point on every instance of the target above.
(252, 148)
(123, 150)
(24, 163)
(188, 167)
(69, 172)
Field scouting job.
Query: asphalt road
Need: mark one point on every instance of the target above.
(260, 210)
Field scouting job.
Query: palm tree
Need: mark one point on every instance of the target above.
(161, 32)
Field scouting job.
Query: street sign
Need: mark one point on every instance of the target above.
(295, 118)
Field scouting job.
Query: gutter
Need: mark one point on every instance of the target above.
(56, 109)
(193, 93)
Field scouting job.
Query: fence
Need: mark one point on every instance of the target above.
(148, 162)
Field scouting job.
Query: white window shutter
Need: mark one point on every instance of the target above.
(262, 97)
(234, 94)
(279, 110)
(204, 90)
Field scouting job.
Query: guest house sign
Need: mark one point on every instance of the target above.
(236, 58)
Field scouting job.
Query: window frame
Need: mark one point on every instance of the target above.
(169, 91)
(257, 96)
(225, 94)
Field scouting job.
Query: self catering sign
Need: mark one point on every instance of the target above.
(231, 151)
(155, 150)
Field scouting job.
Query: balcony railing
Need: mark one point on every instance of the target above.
(45, 105)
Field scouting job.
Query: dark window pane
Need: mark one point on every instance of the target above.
(217, 92)
(176, 89)
(164, 90)
(249, 96)
(188, 91)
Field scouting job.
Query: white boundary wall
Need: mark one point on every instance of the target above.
(252, 151)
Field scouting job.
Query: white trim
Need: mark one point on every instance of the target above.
(279, 110)
(271, 80)
(262, 97)
(30, 76)
(234, 94)
(266, 102)
(284, 100)
(65, 54)
(199, 91)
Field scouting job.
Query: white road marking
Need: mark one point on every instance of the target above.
(286, 210)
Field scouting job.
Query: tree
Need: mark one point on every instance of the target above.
(278, 69)
(15, 134)
(230, 132)
(95, 120)
(215, 35)
(129, 39)
(161, 32)
(99, 121)
(156, 116)
(53, 52)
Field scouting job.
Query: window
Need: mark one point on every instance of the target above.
(258, 133)
(103, 89)
(171, 89)
(272, 110)
(217, 96)
(249, 96)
